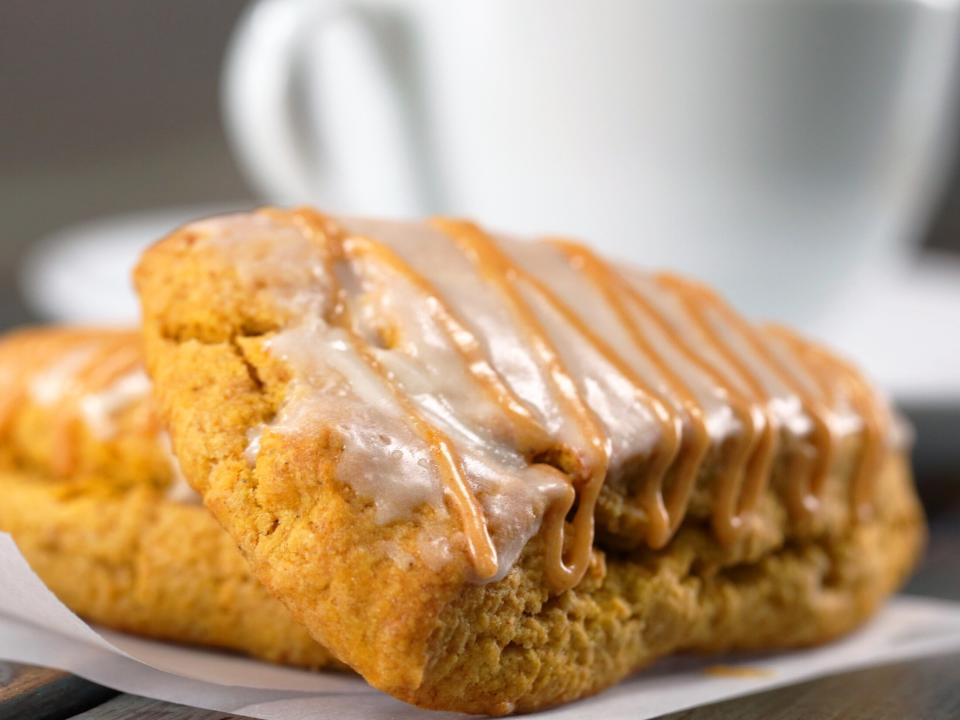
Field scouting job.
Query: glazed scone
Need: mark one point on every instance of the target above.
(92, 499)
(495, 475)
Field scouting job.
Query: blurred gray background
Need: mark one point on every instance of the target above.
(107, 106)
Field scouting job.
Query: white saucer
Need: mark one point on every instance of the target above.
(903, 325)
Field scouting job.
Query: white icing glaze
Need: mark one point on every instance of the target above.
(254, 438)
(400, 557)
(382, 459)
(179, 490)
(433, 550)
(482, 311)
(53, 382)
(275, 255)
(100, 408)
(681, 324)
(842, 417)
(399, 326)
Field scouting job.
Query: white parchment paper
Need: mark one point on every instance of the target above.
(35, 627)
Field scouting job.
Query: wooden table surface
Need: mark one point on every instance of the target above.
(928, 688)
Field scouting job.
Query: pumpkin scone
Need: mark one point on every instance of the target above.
(495, 475)
(91, 496)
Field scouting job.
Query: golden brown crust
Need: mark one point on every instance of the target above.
(131, 560)
(429, 635)
(91, 513)
(691, 597)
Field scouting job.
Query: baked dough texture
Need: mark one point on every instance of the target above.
(428, 632)
(97, 512)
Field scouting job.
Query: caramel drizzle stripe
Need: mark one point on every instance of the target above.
(798, 494)
(818, 372)
(660, 527)
(614, 289)
(748, 466)
(761, 434)
(489, 260)
(110, 358)
(112, 354)
(38, 348)
(118, 357)
(480, 547)
(822, 437)
(866, 404)
(15, 377)
(533, 437)
(670, 423)
(752, 458)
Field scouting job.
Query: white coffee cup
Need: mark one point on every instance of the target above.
(772, 147)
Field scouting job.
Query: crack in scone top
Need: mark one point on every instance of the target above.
(506, 381)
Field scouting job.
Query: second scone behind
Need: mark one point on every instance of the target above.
(92, 497)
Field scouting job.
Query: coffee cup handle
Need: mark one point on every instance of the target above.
(315, 111)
